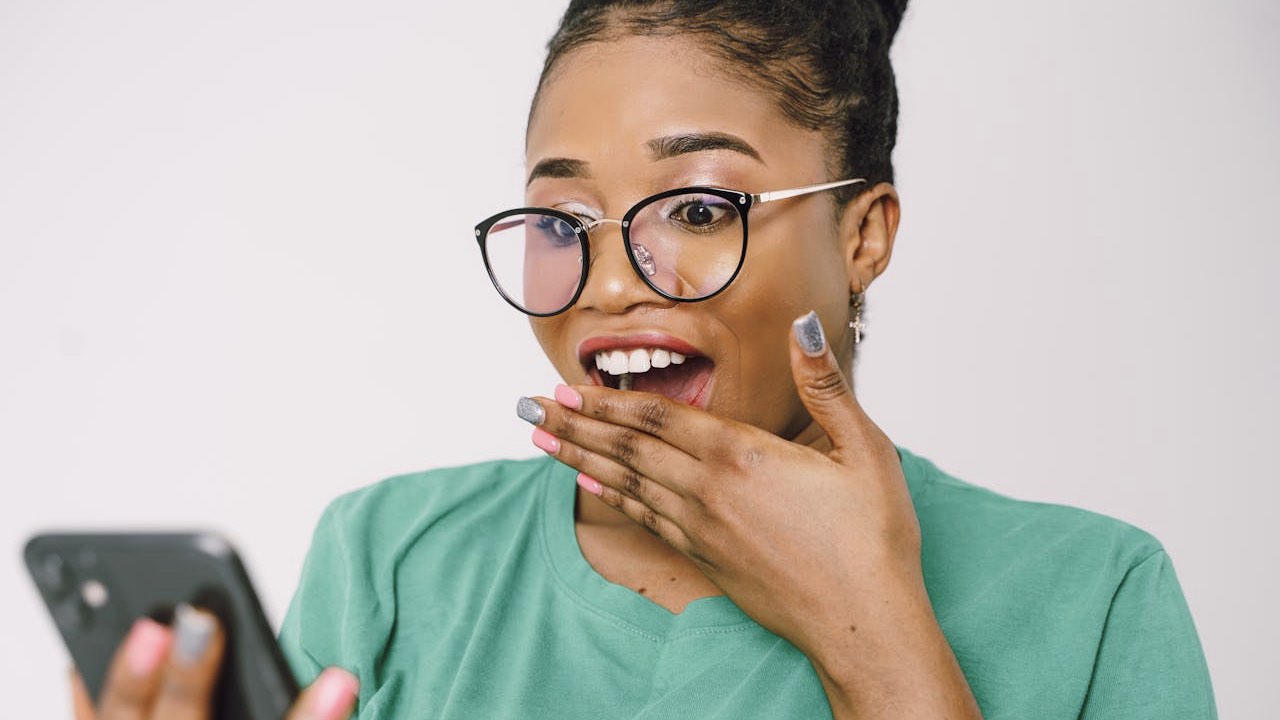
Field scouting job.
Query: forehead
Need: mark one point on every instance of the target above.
(605, 100)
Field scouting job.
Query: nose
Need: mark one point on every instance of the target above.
(612, 284)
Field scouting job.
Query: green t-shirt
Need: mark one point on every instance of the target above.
(461, 593)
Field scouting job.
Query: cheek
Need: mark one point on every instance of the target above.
(550, 334)
(790, 271)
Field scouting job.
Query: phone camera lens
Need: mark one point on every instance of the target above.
(54, 576)
(73, 614)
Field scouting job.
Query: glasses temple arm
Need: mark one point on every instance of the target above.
(793, 192)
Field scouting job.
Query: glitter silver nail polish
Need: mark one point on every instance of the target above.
(191, 634)
(530, 411)
(808, 330)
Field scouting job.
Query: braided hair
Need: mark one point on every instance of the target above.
(826, 64)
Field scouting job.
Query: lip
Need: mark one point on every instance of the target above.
(588, 348)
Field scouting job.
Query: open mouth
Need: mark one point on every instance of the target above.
(683, 377)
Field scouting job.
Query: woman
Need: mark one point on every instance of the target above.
(717, 530)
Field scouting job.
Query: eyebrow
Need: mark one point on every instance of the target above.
(661, 148)
(673, 145)
(558, 168)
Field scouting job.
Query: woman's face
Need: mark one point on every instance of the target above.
(602, 109)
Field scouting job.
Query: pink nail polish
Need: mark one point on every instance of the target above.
(590, 484)
(546, 441)
(146, 646)
(334, 694)
(568, 397)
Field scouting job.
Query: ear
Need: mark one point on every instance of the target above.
(867, 229)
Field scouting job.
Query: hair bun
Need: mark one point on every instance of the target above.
(893, 11)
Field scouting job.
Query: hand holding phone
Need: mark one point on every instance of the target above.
(152, 678)
(168, 626)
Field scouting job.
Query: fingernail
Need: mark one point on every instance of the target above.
(590, 484)
(146, 646)
(528, 410)
(808, 330)
(568, 397)
(546, 441)
(334, 695)
(192, 631)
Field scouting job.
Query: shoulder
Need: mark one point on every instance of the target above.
(959, 518)
(405, 531)
(1030, 590)
(405, 503)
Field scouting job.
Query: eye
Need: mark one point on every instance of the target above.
(556, 230)
(698, 214)
(701, 213)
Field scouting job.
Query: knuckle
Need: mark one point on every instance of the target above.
(631, 483)
(750, 457)
(623, 445)
(728, 450)
(649, 519)
(722, 450)
(827, 385)
(651, 415)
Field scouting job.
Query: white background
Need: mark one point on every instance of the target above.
(237, 275)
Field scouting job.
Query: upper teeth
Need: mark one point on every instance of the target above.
(617, 362)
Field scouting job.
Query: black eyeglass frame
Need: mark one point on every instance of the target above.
(741, 202)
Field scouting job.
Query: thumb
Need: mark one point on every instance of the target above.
(331, 697)
(823, 387)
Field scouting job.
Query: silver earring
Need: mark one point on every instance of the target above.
(856, 324)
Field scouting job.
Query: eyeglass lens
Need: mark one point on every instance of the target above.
(686, 246)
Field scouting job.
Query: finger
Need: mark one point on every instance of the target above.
(642, 513)
(81, 703)
(331, 697)
(684, 427)
(189, 676)
(654, 496)
(134, 675)
(821, 382)
(625, 446)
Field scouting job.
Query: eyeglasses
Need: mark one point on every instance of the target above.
(688, 244)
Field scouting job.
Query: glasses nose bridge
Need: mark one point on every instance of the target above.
(611, 282)
(593, 224)
(590, 227)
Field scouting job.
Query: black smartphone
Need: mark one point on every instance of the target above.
(97, 584)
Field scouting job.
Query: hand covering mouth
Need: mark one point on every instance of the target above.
(653, 367)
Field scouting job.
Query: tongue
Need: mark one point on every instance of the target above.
(682, 383)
